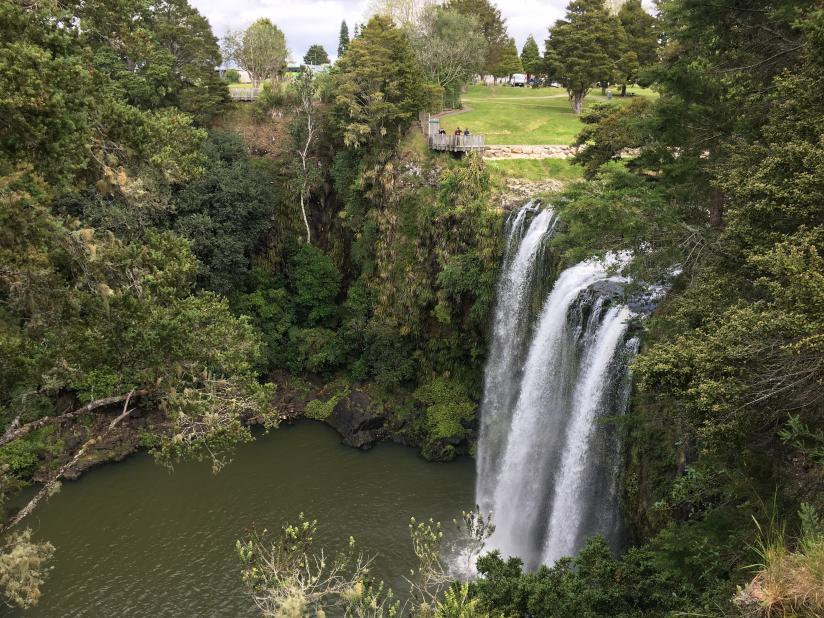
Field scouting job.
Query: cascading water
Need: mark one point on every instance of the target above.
(546, 464)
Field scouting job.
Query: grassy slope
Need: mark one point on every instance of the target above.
(523, 115)
(535, 169)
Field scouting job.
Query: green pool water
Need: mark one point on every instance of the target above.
(133, 539)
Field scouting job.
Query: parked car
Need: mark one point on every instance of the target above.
(518, 80)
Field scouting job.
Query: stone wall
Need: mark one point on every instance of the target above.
(551, 151)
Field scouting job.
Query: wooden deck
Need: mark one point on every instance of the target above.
(457, 143)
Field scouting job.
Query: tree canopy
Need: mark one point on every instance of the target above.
(378, 86)
(260, 50)
(343, 38)
(493, 26)
(316, 55)
(449, 47)
(583, 48)
(531, 57)
(641, 41)
(508, 62)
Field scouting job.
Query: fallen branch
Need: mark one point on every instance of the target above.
(49, 487)
(15, 432)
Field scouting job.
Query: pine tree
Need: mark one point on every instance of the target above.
(584, 48)
(509, 61)
(343, 39)
(642, 41)
(316, 55)
(379, 87)
(531, 57)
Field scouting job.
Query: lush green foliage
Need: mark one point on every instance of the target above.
(378, 86)
(593, 584)
(641, 51)
(75, 105)
(450, 48)
(509, 62)
(343, 39)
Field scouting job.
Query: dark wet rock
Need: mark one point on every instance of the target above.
(609, 289)
(355, 420)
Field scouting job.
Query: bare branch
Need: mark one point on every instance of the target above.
(16, 432)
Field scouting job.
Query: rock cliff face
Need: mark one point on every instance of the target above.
(355, 420)
(518, 191)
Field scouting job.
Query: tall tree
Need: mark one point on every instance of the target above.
(508, 62)
(260, 49)
(378, 88)
(81, 111)
(343, 38)
(641, 41)
(316, 55)
(450, 48)
(493, 26)
(531, 57)
(187, 37)
(581, 49)
(304, 130)
(405, 13)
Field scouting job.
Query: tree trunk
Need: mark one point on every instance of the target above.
(623, 90)
(603, 89)
(716, 209)
(576, 99)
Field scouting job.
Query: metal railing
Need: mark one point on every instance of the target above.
(456, 143)
(244, 94)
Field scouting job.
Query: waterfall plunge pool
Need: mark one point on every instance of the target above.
(133, 539)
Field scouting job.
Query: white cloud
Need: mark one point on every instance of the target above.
(318, 21)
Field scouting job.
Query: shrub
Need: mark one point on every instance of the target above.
(447, 409)
(313, 349)
(788, 583)
(317, 283)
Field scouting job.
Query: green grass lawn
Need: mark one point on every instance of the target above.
(509, 115)
(535, 169)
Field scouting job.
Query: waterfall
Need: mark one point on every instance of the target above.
(506, 349)
(546, 463)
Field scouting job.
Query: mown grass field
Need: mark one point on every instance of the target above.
(507, 115)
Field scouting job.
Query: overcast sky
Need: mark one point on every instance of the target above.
(318, 21)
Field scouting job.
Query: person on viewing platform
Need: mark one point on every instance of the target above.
(466, 132)
(458, 131)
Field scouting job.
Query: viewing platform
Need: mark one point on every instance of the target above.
(457, 143)
(445, 142)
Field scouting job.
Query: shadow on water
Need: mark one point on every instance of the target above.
(133, 539)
